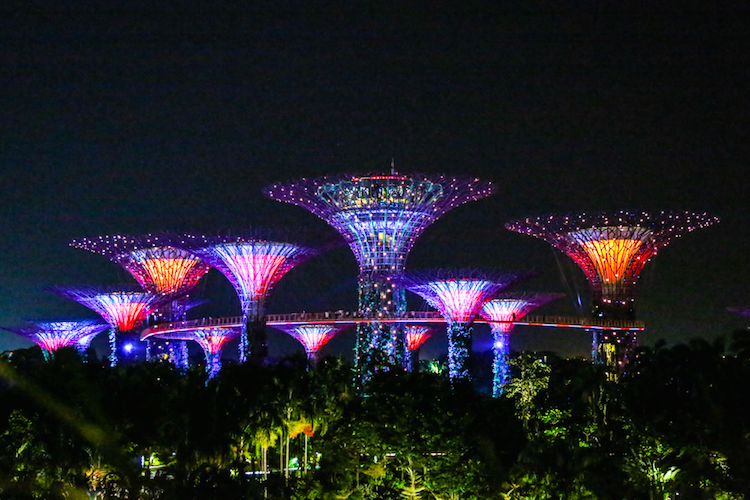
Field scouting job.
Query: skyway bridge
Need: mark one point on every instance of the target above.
(411, 317)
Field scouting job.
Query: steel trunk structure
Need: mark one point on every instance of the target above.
(380, 217)
(253, 266)
(505, 309)
(161, 268)
(611, 249)
(459, 296)
(52, 335)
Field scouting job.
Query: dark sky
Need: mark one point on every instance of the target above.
(127, 120)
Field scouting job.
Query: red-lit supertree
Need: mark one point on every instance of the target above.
(253, 265)
(210, 338)
(459, 296)
(380, 217)
(161, 268)
(416, 335)
(312, 336)
(503, 310)
(611, 249)
(122, 310)
(52, 335)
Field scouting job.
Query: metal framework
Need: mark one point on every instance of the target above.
(211, 340)
(503, 311)
(52, 335)
(416, 335)
(459, 296)
(123, 311)
(312, 336)
(253, 266)
(380, 217)
(612, 249)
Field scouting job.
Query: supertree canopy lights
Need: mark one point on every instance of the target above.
(123, 311)
(211, 340)
(253, 266)
(505, 309)
(459, 296)
(312, 336)
(380, 217)
(612, 249)
(416, 335)
(52, 335)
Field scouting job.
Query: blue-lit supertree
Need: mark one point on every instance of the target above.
(612, 249)
(51, 335)
(253, 265)
(380, 217)
(503, 310)
(459, 296)
(161, 268)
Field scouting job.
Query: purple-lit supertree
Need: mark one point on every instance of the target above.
(416, 335)
(611, 249)
(312, 336)
(52, 335)
(459, 296)
(123, 311)
(253, 265)
(380, 217)
(505, 309)
(211, 340)
(161, 268)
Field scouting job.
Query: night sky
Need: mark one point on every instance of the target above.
(128, 121)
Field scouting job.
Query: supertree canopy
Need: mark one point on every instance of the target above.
(611, 249)
(459, 296)
(253, 266)
(312, 336)
(52, 335)
(211, 340)
(123, 311)
(505, 309)
(380, 217)
(416, 335)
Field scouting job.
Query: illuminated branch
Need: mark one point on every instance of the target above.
(312, 337)
(380, 217)
(506, 308)
(459, 296)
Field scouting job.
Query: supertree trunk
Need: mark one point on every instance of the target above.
(113, 347)
(213, 364)
(459, 349)
(500, 370)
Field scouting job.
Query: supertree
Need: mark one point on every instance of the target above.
(312, 336)
(52, 335)
(502, 311)
(160, 267)
(122, 310)
(253, 265)
(380, 217)
(459, 296)
(211, 340)
(611, 249)
(416, 335)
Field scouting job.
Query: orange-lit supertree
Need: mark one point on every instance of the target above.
(161, 268)
(611, 249)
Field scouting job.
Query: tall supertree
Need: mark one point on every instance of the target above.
(312, 336)
(611, 249)
(503, 310)
(160, 267)
(416, 335)
(211, 340)
(123, 311)
(380, 217)
(253, 265)
(52, 335)
(459, 296)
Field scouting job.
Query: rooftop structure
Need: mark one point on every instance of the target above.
(416, 335)
(612, 249)
(123, 311)
(52, 335)
(253, 266)
(505, 309)
(312, 336)
(459, 296)
(380, 217)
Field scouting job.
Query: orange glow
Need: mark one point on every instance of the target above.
(128, 314)
(168, 275)
(612, 257)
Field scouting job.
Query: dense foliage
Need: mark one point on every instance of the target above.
(676, 427)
